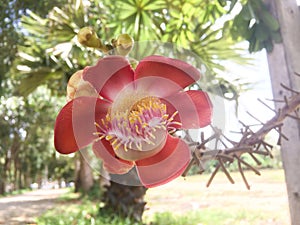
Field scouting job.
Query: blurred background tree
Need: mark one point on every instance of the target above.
(39, 53)
(10, 15)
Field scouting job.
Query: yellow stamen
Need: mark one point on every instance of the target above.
(118, 146)
(114, 142)
(109, 137)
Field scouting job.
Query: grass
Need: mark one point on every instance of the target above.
(206, 216)
(81, 212)
(17, 192)
(189, 202)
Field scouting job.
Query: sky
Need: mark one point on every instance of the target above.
(258, 75)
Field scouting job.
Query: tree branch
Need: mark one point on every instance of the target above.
(251, 142)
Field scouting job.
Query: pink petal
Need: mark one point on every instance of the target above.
(111, 162)
(175, 71)
(78, 87)
(109, 76)
(194, 108)
(165, 166)
(74, 126)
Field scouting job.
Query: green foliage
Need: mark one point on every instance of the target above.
(10, 14)
(57, 55)
(86, 213)
(26, 144)
(257, 25)
(140, 18)
(207, 217)
(184, 23)
(16, 192)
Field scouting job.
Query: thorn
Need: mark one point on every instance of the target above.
(213, 175)
(275, 100)
(255, 118)
(262, 153)
(225, 171)
(258, 146)
(254, 158)
(266, 105)
(243, 175)
(289, 89)
(293, 117)
(202, 136)
(286, 101)
(248, 165)
(191, 163)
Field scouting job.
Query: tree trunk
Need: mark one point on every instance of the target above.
(2, 186)
(84, 177)
(27, 176)
(124, 200)
(284, 65)
(3, 178)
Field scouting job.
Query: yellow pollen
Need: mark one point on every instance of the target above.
(118, 146)
(139, 119)
(165, 116)
(109, 137)
(114, 142)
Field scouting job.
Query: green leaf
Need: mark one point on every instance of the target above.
(261, 32)
(155, 5)
(34, 80)
(270, 21)
(222, 2)
(268, 46)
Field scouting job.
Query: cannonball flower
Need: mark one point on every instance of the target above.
(130, 115)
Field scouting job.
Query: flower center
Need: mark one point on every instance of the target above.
(140, 130)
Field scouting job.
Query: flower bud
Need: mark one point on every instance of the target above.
(124, 44)
(87, 37)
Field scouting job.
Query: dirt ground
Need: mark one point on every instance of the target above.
(267, 198)
(23, 209)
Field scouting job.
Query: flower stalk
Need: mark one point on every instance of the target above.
(122, 45)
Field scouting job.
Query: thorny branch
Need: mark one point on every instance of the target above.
(251, 142)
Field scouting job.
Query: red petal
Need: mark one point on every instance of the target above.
(165, 166)
(194, 108)
(157, 86)
(173, 70)
(74, 126)
(111, 163)
(109, 76)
